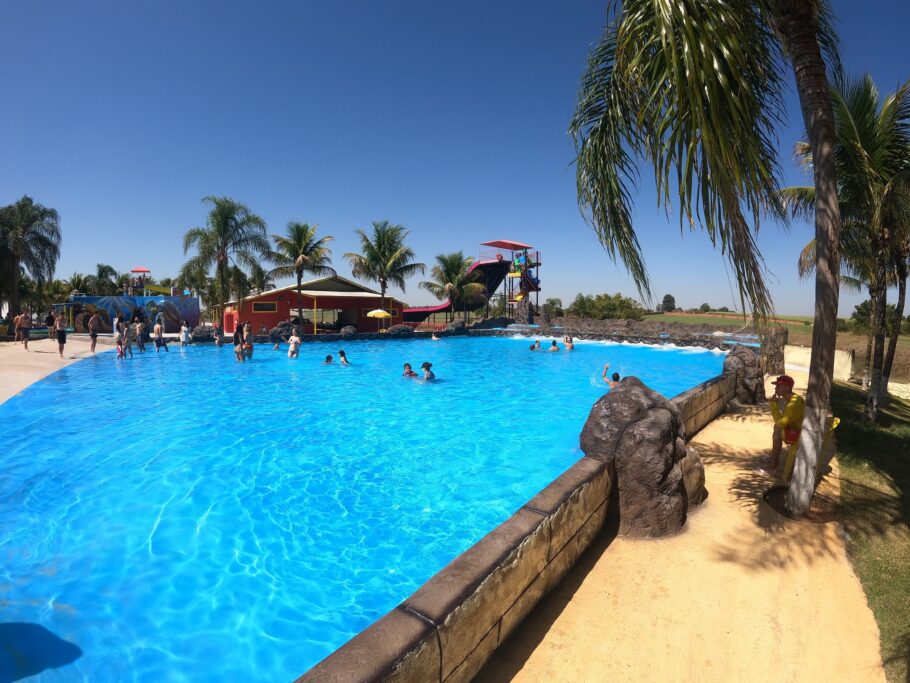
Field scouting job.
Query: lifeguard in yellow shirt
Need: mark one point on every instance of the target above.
(787, 410)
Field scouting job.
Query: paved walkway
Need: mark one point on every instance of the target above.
(742, 595)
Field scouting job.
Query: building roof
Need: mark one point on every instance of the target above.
(329, 286)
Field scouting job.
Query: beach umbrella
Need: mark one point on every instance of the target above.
(140, 269)
(378, 313)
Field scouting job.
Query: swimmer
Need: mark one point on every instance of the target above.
(614, 379)
(570, 344)
(433, 337)
(537, 344)
(293, 345)
(158, 333)
(408, 371)
(428, 374)
(328, 360)
(553, 347)
(533, 347)
(342, 358)
(248, 341)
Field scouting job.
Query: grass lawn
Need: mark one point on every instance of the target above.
(875, 496)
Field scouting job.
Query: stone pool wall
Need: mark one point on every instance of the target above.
(451, 625)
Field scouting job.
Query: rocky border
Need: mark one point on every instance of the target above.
(451, 625)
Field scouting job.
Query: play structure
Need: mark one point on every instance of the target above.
(513, 265)
(171, 311)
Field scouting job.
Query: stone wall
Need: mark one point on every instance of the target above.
(701, 404)
(451, 625)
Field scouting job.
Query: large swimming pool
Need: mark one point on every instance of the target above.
(182, 516)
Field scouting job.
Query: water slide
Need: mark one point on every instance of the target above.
(492, 272)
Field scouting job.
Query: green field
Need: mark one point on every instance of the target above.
(875, 511)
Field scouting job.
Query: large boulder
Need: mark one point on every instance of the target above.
(457, 327)
(281, 331)
(203, 333)
(348, 331)
(400, 331)
(641, 432)
(745, 363)
(693, 472)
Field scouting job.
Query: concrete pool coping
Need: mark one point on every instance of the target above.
(450, 627)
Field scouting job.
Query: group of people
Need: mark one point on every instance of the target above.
(128, 332)
(554, 347)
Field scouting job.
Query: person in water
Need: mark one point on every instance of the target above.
(408, 371)
(433, 337)
(342, 358)
(553, 347)
(248, 341)
(293, 345)
(428, 374)
(570, 344)
(185, 338)
(218, 334)
(533, 347)
(614, 379)
(238, 343)
(159, 337)
(328, 360)
(537, 344)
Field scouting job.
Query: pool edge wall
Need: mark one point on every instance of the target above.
(450, 626)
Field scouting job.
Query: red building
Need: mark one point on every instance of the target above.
(326, 304)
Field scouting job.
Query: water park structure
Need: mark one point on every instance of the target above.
(326, 304)
(514, 265)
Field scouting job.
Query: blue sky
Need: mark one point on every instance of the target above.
(449, 118)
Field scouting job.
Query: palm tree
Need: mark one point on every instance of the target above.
(102, 282)
(299, 252)
(78, 282)
(694, 87)
(385, 258)
(233, 236)
(872, 155)
(29, 243)
(260, 279)
(453, 280)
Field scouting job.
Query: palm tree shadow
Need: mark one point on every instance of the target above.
(28, 649)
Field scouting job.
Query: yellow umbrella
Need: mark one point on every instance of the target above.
(379, 313)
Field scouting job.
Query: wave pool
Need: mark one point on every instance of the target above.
(180, 516)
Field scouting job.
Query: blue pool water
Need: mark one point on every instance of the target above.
(184, 517)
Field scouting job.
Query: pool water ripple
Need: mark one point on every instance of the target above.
(183, 517)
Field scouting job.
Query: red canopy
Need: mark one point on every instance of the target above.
(140, 269)
(507, 244)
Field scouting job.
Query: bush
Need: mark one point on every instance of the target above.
(842, 325)
(704, 308)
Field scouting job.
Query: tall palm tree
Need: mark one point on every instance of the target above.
(260, 279)
(298, 252)
(872, 154)
(102, 282)
(233, 236)
(694, 87)
(385, 257)
(453, 280)
(29, 243)
(77, 282)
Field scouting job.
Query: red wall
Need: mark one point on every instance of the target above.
(284, 301)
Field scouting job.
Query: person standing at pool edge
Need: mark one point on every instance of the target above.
(60, 332)
(25, 327)
(93, 324)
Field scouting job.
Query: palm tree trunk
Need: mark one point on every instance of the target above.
(895, 328)
(14, 289)
(300, 304)
(381, 304)
(797, 21)
(878, 352)
(867, 361)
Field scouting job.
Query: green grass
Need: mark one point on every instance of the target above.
(875, 499)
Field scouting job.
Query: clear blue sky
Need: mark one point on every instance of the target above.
(449, 118)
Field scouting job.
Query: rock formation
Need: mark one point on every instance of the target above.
(745, 363)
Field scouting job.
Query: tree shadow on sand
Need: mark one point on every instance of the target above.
(28, 649)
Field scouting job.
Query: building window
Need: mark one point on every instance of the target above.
(265, 307)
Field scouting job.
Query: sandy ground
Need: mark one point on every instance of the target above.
(742, 595)
(19, 368)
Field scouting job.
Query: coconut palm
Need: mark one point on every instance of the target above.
(385, 257)
(694, 87)
(299, 252)
(872, 155)
(453, 280)
(77, 282)
(260, 279)
(233, 236)
(102, 282)
(29, 244)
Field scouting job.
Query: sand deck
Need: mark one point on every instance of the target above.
(742, 595)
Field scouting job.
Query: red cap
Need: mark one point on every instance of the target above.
(784, 379)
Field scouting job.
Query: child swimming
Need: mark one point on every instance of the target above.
(408, 371)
